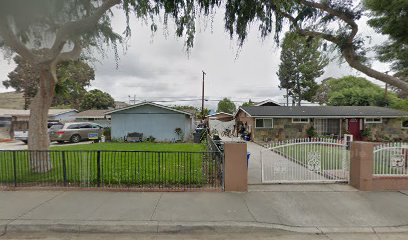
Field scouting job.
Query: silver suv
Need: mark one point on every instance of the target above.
(75, 132)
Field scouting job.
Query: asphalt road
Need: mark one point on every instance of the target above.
(18, 145)
(210, 235)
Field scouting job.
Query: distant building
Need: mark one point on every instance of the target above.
(96, 116)
(151, 119)
(119, 104)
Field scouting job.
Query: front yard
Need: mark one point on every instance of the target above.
(116, 164)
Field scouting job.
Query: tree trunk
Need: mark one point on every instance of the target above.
(38, 139)
(354, 62)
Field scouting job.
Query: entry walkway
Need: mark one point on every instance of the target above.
(289, 170)
(312, 210)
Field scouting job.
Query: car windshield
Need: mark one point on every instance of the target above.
(56, 127)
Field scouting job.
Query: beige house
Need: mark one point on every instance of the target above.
(275, 123)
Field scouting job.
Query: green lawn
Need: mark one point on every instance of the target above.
(331, 156)
(121, 164)
(181, 147)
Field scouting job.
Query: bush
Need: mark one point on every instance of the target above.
(150, 139)
(311, 132)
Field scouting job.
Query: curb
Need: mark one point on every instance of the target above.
(176, 227)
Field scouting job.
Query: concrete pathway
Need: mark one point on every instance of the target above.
(318, 210)
(276, 167)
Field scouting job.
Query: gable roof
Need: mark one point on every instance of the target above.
(267, 102)
(322, 111)
(147, 103)
(93, 113)
(219, 113)
(20, 112)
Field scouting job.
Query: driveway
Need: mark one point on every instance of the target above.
(18, 145)
(277, 167)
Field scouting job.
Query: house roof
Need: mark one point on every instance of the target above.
(21, 112)
(148, 103)
(322, 111)
(267, 102)
(219, 113)
(93, 113)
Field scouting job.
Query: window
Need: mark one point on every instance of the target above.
(327, 126)
(300, 120)
(404, 124)
(264, 123)
(73, 126)
(86, 125)
(373, 120)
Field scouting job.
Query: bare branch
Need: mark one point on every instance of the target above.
(74, 29)
(11, 40)
(333, 12)
(348, 51)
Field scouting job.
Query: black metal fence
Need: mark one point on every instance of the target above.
(148, 170)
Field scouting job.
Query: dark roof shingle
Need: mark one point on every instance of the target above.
(323, 111)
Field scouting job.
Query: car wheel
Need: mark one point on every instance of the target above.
(25, 141)
(75, 138)
(60, 142)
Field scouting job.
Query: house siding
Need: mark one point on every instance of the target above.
(151, 121)
(283, 128)
(389, 130)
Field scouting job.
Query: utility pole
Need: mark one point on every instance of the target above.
(130, 99)
(202, 98)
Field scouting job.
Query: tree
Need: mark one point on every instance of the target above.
(199, 114)
(247, 104)
(390, 18)
(73, 77)
(301, 64)
(226, 105)
(47, 32)
(331, 20)
(356, 91)
(96, 99)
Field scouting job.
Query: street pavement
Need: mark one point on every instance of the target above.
(210, 235)
(316, 209)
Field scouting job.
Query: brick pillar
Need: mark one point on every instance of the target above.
(361, 165)
(235, 167)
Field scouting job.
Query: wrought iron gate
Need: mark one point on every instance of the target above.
(313, 160)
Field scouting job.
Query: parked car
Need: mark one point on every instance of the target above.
(75, 132)
(22, 133)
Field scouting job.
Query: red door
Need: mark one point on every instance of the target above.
(354, 128)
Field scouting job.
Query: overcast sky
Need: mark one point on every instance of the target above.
(158, 68)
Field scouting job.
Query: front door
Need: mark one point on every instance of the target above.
(354, 128)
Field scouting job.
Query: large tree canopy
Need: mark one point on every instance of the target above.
(390, 17)
(335, 21)
(96, 99)
(301, 63)
(226, 105)
(73, 77)
(356, 91)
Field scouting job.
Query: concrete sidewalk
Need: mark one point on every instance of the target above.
(337, 208)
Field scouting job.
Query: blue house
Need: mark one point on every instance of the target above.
(151, 119)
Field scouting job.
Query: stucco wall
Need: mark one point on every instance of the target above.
(151, 121)
(389, 130)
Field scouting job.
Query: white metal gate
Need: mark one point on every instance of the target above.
(314, 160)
